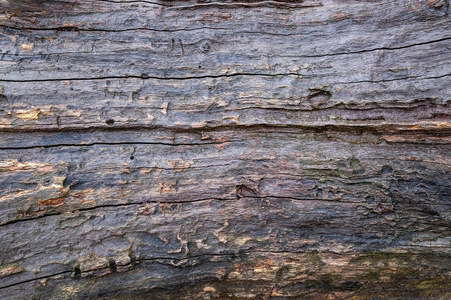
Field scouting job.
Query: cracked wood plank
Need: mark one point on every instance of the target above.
(225, 149)
(230, 101)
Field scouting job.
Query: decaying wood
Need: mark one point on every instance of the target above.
(225, 149)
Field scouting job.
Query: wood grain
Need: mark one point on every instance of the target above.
(225, 149)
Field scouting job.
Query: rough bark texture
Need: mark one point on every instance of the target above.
(225, 149)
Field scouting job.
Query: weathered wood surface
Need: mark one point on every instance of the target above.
(225, 149)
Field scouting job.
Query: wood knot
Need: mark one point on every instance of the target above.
(319, 92)
(385, 170)
(244, 191)
(205, 47)
(318, 96)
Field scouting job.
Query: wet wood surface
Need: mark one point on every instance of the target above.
(225, 149)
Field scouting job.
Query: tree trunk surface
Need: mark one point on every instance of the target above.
(225, 149)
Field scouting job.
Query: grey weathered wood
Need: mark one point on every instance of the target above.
(225, 149)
